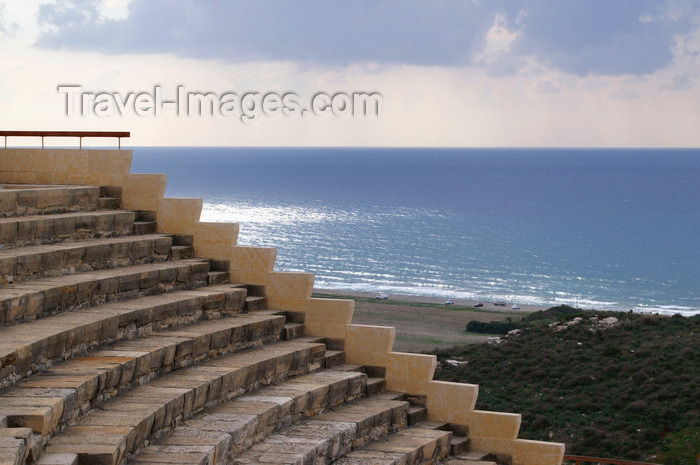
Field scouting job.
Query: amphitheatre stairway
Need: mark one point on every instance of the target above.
(131, 332)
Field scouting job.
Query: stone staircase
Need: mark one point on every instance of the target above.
(143, 336)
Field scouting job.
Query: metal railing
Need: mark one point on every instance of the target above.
(79, 134)
(579, 459)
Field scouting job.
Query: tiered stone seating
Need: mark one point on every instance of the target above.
(118, 346)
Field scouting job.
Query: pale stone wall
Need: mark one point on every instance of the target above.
(369, 345)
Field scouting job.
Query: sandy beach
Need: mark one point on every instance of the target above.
(425, 323)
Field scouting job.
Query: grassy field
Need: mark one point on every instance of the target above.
(422, 326)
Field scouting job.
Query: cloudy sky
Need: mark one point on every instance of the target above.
(470, 73)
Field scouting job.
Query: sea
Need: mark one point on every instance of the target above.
(606, 229)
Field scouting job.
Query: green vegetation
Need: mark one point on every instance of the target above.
(628, 391)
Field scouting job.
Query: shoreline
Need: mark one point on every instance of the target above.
(436, 301)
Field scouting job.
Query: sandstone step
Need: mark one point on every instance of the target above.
(24, 263)
(82, 383)
(145, 227)
(459, 445)
(15, 445)
(108, 203)
(43, 229)
(232, 427)
(411, 446)
(33, 345)
(57, 459)
(328, 436)
(255, 303)
(431, 424)
(180, 252)
(145, 215)
(43, 297)
(295, 317)
(20, 200)
(463, 461)
(185, 240)
(217, 277)
(111, 191)
(417, 415)
(375, 386)
(293, 331)
(122, 425)
(333, 358)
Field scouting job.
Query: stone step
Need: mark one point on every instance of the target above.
(66, 391)
(111, 191)
(34, 345)
(472, 458)
(23, 263)
(459, 445)
(253, 303)
(328, 436)
(45, 229)
(217, 277)
(232, 427)
(293, 331)
(57, 459)
(21, 200)
(15, 445)
(333, 358)
(145, 227)
(417, 415)
(47, 296)
(181, 252)
(109, 203)
(375, 386)
(122, 426)
(412, 446)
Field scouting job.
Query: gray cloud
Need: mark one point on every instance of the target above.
(579, 36)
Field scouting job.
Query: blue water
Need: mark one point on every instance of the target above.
(605, 229)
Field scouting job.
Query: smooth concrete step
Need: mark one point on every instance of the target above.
(24, 263)
(21, 200)
(328, 436)
(45, 229)
(47, 296)
(412, 446)
(69, 389)
(34, 345)
(231, 428)
(123, 425)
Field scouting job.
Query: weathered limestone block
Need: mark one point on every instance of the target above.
(409, 373)
(369, 345)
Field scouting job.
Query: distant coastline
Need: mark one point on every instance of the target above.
(594, 228)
